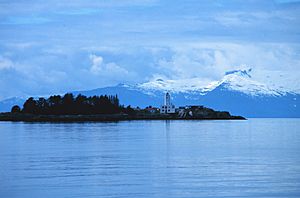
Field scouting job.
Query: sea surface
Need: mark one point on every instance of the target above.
(252, 158)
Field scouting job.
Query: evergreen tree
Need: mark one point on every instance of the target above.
(30, 106)
(16, 109)
(68, 105)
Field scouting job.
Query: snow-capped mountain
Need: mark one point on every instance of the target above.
(238, 80)
(239, 92)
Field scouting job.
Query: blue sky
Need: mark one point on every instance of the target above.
(56, 46)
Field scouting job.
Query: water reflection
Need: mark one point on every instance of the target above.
(167, 127)
(254, 158)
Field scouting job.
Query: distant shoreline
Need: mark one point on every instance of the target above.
(100, 118)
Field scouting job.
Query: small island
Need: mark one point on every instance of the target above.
(81, 108)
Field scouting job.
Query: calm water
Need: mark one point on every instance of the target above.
(254, 158)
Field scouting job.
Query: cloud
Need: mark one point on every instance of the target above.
(105, 69)
(21, 45)
(212, 60)
(79, 12)
(5, 63)
(87, 44)
(254, 18)
(96, 64)
(27, 77)
(287, 1)
(74, 7)
(232, 19)
(25, 20)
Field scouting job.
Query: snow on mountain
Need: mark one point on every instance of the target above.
(242, 81)
(181, 85)
(238, 80)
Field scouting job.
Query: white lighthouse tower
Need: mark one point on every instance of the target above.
(167, 107)
(167, 99)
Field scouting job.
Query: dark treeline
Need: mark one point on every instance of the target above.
(70, 105)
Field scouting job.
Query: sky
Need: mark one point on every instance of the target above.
(56, 46)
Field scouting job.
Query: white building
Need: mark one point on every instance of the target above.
(168, 107)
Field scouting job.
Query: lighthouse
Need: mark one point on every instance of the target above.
(167, 107)
(167, 99)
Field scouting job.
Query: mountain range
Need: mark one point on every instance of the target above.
(237, 92)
